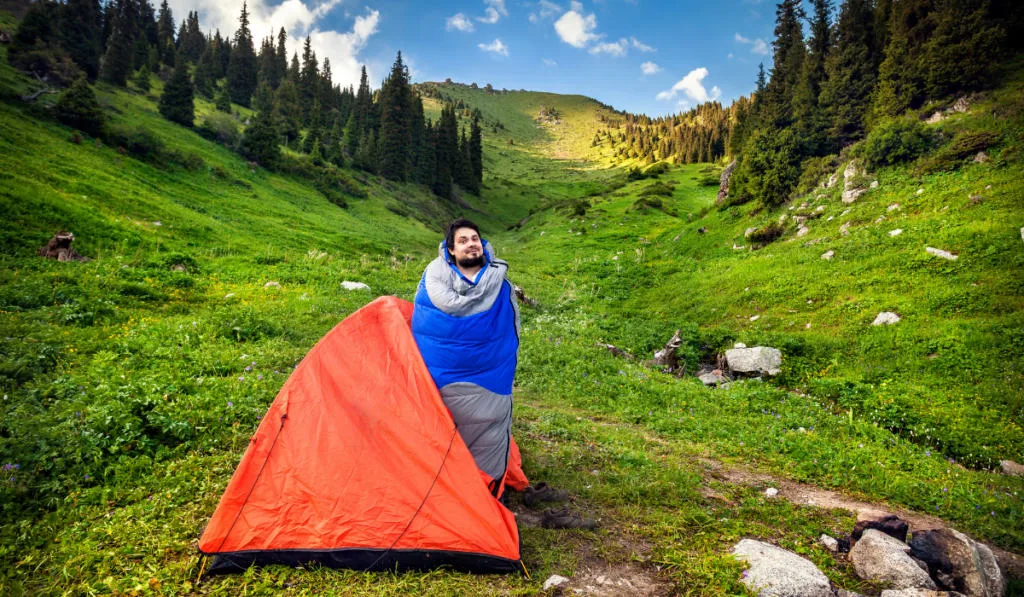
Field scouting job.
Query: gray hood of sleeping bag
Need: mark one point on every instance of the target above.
(468, 334)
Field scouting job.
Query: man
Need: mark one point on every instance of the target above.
(466, 324)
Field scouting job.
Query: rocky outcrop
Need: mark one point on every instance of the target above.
(959, 563)
(757, 360)
(886, 318)
(775, 572)
(850, 189)
(723, 182)
(59, 248)
(891, 525)
(881, 558)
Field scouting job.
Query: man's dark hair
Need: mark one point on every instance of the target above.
(449, 236)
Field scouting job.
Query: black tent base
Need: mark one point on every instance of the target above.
(368, 560)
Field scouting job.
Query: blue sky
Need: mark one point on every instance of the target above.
(639, 55)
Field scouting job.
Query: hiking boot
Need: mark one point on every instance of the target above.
(564, 519)
(543, 492)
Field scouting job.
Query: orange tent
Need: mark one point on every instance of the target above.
(357, 464)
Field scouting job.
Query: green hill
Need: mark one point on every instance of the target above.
(132, 382)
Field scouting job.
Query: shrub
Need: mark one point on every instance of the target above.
(770, 168)
(657, 189)
(813, 171)
(78, 108)
(963, 145)
(220, 127)
(767, 234)
(138, 141)
(895, 142)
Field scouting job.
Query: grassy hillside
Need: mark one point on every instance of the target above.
(133, 382)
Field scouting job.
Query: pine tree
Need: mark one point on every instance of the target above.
(962, 50)
(78, 108)
(141, 79)
(117, 60)
(223, 46)
(165, 34)
(476, 152)
(446, 152)
(309, 78)
(281, 57)
(811, 122)
(851, 75)
(286, 111)
(222, 99)
(176, 103)
(395, 128)
(294, 70)
(81, 23)
(260, 142)
(206, 72)
(267, 61)
(776, 109)
(242, 71)
(366, 154)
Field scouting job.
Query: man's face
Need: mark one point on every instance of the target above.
(468, 250)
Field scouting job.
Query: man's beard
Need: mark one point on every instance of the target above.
(470, 262)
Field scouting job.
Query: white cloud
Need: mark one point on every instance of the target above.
(458, 22)
(617, 48)
(639, 45)
(576, 6)
(650, 68)
(729, 56)
(549, 62)
(495, 46)
(692, 87)
(759, 45)
(299, 19)
(545, 10)
(495, 10)
(575, 29)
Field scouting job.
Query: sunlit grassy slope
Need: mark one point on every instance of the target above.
(133, 382)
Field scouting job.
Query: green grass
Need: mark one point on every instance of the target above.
(131, 388)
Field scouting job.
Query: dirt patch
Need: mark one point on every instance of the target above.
(618, 580)
(809, 495)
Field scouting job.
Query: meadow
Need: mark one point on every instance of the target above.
(131, 383)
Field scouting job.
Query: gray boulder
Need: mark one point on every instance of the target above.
(775, 572)
(759, 359)
(959, 563)
(919, 593)
(890, 524)
(1010, 467)
(881, 558)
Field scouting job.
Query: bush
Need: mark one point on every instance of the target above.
(78, 108)
(965, 144)
(895, 142)
(220, 127)
(813, 171)
(657, 189)
(138, 141)
(770, 168)
(767, 234)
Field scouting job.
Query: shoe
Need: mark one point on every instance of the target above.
(564, 519)
(543, 492)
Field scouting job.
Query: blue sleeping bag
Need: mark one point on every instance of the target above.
(468, 334)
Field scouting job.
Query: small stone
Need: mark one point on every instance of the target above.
(272, 285)
(771, 492)
(1011, 468)
(830, 218)
(736, 247)
(354, 285)
(886, 318)
(755, 317)
(676, 238)
(846, 211)
(807, 325)
(874, 184)
(819, 209)
(893, 207)
(941, 253)
(749, 231)
(829, 542)
(782, 218)
(980, 158)
(828, 255)
(896, 232)
(880, 220)
(158, 223)
(554, 581)
(845, 229)
(229, 295)
(919, 191)
(803, 230)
